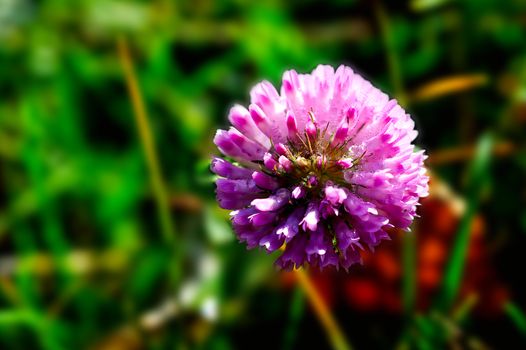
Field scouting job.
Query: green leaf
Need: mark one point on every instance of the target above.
(517, 316)
(477, 176)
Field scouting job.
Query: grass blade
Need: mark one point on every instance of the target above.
(147, 140)
(409, 277)
(455, 266)
(297, 308)
(517, 316)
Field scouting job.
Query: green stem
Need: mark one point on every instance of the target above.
(326, 318)
(145, 134)
(517, 316)
(455, 265)
(409, 277)
(393, 59)
(296, 312)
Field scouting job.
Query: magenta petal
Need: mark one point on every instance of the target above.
(292, 126)
(286, 163)
(262, 218)
(269, 162)
(242, 217)
(252, 236)
(341, 133)
(290, 227)
(226, 169)
(294, 255)
(264, 181)
(298, 192)
(312, 217)
(327, 209)
(225, 144)
(345, 163)
(271, 242)
(318, 244)
(236, 186)
(346, 237)
(335, 195)
(273, 202)
(311, 129)
(242, 121)
(281, 149)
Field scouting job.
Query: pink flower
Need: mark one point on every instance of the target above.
(322, 167)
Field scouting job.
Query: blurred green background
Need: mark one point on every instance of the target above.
(110, 239)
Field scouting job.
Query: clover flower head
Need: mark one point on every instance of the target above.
(320, 169)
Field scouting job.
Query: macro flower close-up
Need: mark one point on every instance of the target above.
(321, 167)
(229, 174)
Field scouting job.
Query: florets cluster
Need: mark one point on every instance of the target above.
(321, 168)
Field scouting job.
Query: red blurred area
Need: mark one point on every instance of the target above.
(377, 284)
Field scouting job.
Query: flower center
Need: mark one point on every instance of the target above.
(314, 157)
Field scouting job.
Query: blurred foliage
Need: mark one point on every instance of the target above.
(83, 259)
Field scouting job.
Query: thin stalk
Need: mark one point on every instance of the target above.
(297, 307)
(517, 316)
(409, 267)
(333, 330)
(147, 141)
(478, 175)
(393, 59)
